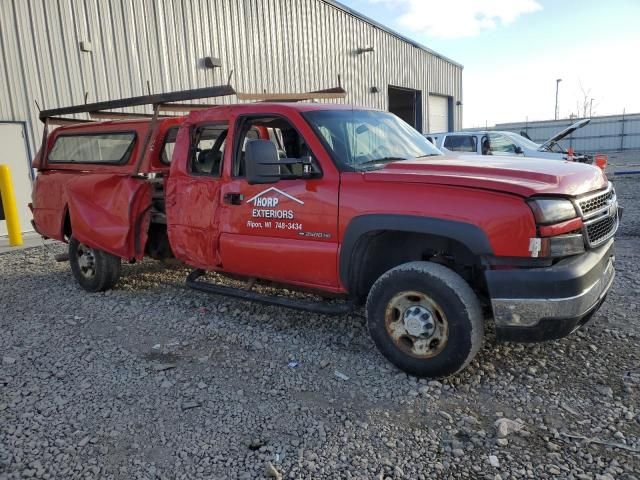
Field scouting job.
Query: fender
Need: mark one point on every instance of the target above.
(472, 236)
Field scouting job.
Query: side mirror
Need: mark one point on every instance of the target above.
(518, 150)
(262, 162)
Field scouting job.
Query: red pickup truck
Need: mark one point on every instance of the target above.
(348, 202)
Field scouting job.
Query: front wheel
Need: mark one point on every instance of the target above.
(93, 269)
(425, 319)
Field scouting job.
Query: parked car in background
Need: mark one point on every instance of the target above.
(492, 142)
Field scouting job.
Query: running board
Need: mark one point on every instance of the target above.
(305, 305)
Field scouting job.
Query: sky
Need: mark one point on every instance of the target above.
(514, 50)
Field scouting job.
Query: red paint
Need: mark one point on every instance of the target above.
(506, 219)
(306, 260)
(109, 209)
(528, 176)
(50, 202)
(192, 204)
(560, 228)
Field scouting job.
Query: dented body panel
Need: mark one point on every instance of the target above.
(105, 210)
(110, 212)
(101, 204)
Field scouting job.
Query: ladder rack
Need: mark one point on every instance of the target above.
(171, 102)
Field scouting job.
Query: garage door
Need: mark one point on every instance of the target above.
(14, 155)
(438, 113)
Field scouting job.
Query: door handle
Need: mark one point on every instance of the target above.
(233, 198)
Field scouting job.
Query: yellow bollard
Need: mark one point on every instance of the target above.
(9, 206)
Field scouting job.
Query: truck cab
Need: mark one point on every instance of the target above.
(346, 202)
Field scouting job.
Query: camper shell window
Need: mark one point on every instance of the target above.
(108, 147)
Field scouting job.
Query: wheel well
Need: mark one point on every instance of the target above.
(379, 251)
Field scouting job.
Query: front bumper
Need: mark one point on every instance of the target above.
(532, 305)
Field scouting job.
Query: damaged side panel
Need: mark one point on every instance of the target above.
(192, 208)
(49, 202)
(110, 212)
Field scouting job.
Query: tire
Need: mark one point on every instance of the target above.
(425, 319)
(93, 269)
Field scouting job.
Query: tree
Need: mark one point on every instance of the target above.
(585, 103)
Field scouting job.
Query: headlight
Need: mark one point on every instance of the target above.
(552, 210)
(557, 247)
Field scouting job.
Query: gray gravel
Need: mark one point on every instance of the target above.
(628, 191)
(153, 380)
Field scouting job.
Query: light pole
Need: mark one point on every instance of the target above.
(558, 80)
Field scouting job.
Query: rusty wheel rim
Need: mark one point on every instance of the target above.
(86, 261)
(416, 324)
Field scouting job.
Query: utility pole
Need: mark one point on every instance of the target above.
(591, 108)
(558, 80)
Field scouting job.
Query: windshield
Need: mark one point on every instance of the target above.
(366, 139)
(523, 142)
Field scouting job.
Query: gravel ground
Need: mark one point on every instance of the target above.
(153, 380)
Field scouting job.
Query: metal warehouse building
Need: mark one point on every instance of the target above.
(64, 52)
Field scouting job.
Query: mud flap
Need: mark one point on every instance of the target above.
(110, 212)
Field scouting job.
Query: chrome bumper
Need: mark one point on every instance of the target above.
(536, 304)
(526, 312)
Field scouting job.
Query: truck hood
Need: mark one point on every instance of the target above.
(563, 133)
(516, 175)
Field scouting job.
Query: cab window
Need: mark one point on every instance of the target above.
(207, 149)
(289, 144)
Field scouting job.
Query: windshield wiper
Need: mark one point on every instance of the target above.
(382, 160)
(430, 155)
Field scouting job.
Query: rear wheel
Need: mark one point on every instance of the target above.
(93, 269)
(425, 319)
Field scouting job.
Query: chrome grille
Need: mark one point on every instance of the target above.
(599, 212)
(593, 204)
(601, 230)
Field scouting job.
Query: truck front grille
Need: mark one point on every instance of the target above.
(593, 204)
(601, 230)
(599, 212)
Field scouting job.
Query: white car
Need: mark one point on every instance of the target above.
(493, 142)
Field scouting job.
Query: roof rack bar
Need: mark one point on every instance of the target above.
(178, 96)
(102, 115)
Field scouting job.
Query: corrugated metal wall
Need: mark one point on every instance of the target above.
(612, 133)
(272, 45)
